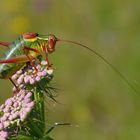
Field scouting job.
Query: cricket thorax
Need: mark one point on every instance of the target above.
(39, 46)
(46, 42)
(34, 42)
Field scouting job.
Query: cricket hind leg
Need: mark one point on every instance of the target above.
(17, 88)
(5, 43)
(17, 59)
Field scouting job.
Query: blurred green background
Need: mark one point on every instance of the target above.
(99, 104)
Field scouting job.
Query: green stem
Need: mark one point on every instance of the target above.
(36, 120)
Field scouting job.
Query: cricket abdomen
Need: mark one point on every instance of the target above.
(7, 70)
(13, 50)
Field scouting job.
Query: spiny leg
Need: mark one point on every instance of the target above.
(26, 51)
(47, 58)
(32, 63)
(17, 59)
(30, 49)
(17, 89)
(5, 43)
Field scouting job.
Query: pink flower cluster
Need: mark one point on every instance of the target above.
(14, 111)
(31, 76)
(3, 135)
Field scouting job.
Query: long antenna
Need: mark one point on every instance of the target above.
(105, 60)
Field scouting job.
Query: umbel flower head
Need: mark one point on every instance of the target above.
(33, 79)
(24, 113)
(30, 76)
(14, 111)
(3, 135)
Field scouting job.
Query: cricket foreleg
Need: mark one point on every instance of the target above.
(47, 57)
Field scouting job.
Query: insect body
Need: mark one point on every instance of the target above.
(24, 49)
(30, 45)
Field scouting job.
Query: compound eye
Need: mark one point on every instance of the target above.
(52, 41)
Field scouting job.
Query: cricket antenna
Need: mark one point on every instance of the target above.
(105, 60)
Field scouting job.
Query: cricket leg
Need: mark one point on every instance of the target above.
(13, 83)
(30, 49)
(17, 89)
(47, 57)
(17, 59)
(50, 66)
(5, 43)
(26, 51)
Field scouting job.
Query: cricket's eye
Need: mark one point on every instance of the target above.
(52, 41)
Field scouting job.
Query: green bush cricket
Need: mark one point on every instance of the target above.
(31, 45)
